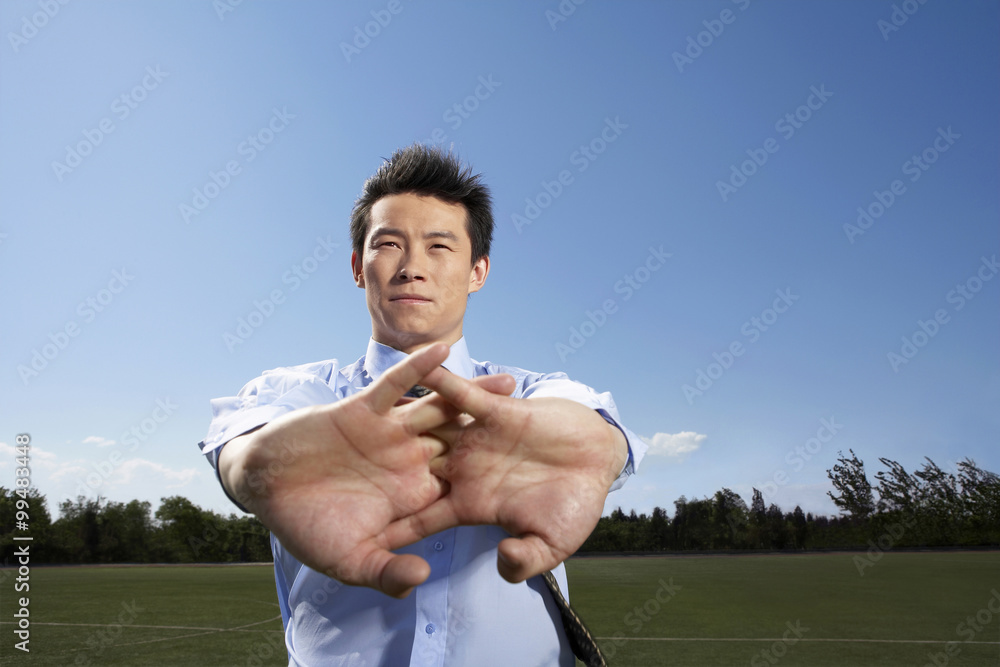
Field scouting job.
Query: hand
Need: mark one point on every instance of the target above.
(539, 468)
(327, 480)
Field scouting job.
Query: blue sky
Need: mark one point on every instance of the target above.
(677, 183)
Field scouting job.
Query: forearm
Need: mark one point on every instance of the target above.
(592, 426)
(233, 471)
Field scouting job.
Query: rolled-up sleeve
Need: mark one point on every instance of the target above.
(558, 385)
(262, 400)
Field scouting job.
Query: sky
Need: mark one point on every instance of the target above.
(769, 229)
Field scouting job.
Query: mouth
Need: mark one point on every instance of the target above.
(409, 299)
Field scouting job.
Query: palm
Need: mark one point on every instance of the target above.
(357, 475)
(539, 468)
(329, 480)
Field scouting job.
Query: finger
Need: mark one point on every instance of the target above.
(374, 566)
(439, 516)
(452, 429)
(466, 395)
(435, 447)
(396, 381)
(402, 573)
(520, 558)
(429, 413)
(435, 411)
(503, 384)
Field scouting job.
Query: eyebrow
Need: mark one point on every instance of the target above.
(393, 231)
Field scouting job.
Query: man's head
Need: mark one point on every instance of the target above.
(432, 173)
(421, 234)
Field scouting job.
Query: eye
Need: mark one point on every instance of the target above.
(388, 243)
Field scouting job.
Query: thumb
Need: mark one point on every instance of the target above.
(520, 558)
(392, 574)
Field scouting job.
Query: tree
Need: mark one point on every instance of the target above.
(848, 477)
(981, 493)
(24, 507)
(659, 527)
(897, 489)
(800, 527)
(777, 528)
(729, 520)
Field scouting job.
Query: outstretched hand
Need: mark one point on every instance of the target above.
(329, 479)
(539, 468)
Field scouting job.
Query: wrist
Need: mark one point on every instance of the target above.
(621, 453)
(233, 471)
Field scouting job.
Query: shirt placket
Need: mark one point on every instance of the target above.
(430, 632)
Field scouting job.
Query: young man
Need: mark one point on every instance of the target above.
(461, 497)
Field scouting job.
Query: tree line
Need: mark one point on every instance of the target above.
(94, 530)
(927, 508)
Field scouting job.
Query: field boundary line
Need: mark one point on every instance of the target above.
(779, 639)
(239, 628)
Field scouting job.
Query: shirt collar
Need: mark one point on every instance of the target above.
(379, 358)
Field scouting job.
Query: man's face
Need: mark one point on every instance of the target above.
(417, 272)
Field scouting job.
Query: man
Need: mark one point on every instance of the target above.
(412, 531)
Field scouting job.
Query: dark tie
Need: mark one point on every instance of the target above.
(416, 391)
(580, 640)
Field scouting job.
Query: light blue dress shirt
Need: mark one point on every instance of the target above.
(465, 613)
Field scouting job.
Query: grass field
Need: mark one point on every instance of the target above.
(699, 610)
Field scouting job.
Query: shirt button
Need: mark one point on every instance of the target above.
(439, 545)
(429, 629)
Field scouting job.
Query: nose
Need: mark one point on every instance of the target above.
(409, 270)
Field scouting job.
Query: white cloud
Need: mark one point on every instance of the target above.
(98, 440)
(674, 445)
(38, 457)
(128, 471)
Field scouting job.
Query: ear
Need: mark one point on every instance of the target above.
(359, 276)
(477, 277)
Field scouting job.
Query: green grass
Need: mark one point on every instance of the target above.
(737, 606)
(203, 604)
(743, 600)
